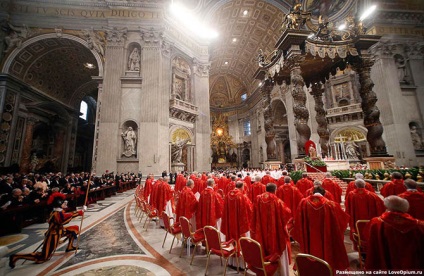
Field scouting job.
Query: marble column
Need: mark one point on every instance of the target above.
(271, 147)
(369, 108)
(58, 148)
(324, 134)
(27, 146)
(301, 113)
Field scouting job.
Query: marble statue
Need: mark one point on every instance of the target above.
(130, 141)
(416, 138)
(16, 36)
(34, 162)
(352, 149)
(134, 60)
(177, 150)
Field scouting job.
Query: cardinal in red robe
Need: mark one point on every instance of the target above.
(270, 217)
(210, 206)
(351, 186)
(257, 188)
(394, 187)
(237, 213)
(319, 226)
(248, 180)
(329, 185)
(180, 183)
(326, 194)
(267, 178)
(415, 199)
(396, 240)
(161, 194)
(362, 204)
(148, 187)
(289, 194)
(304, 184)
(187, 202)
(231, 185)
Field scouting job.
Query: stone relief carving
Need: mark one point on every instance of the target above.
(151, 36)
(402, 68)
(95, 41)
(15, 35)
(115, 35)
(416, 137)
(177, 149)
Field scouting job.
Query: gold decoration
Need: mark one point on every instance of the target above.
(180, 134)
(349, 134)
(221, 140)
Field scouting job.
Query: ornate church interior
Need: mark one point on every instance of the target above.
(146, 87)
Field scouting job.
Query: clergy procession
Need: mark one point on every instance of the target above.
(231, 213)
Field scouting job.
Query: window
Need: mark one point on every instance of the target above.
(246, 127)
(83, 110)
(243, 97)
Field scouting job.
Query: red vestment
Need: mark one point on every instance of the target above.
(237, 215)
(268, 227)
(319, 227)
(248, 181)
(222, 183)
(416, 203)
(267, 179)
(161, 195)
(209, 209)
(333, 188)
(186, 205)
(362, 204)
(230, 186)
(180, 182)
(147, 188)
(351, 186)
(396, 241)
(327, 195)
(199, 185)
(153, 194)
(290, 195)
(304, 184)
(394, 187)
(256, 189)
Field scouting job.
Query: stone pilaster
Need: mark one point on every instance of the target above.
(202, 126)
(110, 99)
(324, 134)
(153, 143)
(26, 149)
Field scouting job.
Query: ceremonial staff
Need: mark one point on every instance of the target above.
(85, 204)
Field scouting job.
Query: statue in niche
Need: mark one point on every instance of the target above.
(34, 162)
(401, 62)
(352, 149)
(416, 138)
(134, 60)
(130, 141)
(177, 149)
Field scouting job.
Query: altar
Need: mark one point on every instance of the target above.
(334, 165)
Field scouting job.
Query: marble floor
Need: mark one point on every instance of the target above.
(114, 242)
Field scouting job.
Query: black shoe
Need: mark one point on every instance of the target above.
(11, 261)
(73, 248)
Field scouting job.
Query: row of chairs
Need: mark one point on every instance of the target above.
(250, 250)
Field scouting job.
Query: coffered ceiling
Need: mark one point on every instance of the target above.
(244, 27)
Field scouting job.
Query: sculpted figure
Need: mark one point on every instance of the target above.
(130, 140)
(134, 60)
(177, 150)
(416, 138)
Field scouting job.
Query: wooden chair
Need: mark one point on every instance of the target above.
(309, 265)
(254, 259)
(195, 237)
(360, 226)
(216, 246)
(171, 229)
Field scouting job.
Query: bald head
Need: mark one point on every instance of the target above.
(396, 204)
(190, 183)
(239, 185)
(258, 178)
(397, 175)
(410, 184)
(360, 183)
(287, 179)
(317, 183)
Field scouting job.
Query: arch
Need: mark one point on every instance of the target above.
(16, 51)
(350, 131)
(279, 112)
(180, 132)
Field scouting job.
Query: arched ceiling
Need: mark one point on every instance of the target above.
(55, 66)
(236, 61)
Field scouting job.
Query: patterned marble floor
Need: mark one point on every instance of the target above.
(113, 242)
